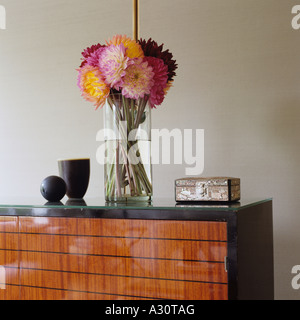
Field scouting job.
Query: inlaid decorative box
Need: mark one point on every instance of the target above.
(207, 189)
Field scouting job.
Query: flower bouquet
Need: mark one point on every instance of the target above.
(130, 78)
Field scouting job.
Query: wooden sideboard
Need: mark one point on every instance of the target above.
(158, 252)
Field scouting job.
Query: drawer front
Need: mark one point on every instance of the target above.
(119, 259)
(9, 274)
(177, 249)
(165, 229)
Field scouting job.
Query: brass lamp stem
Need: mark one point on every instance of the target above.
(135, 19)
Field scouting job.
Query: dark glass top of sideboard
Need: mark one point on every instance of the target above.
(99, 203)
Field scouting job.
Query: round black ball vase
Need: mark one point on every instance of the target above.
(53, 188)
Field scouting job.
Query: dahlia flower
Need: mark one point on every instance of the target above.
(93, 58)
(92, 85)
(160, 79)
(88, 52)
(134, 50)
(151, 48)
(135, 69)
(138, 80)
(113, 63)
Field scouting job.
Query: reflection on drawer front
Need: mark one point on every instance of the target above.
(80, 258)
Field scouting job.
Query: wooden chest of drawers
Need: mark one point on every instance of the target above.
(100, 257)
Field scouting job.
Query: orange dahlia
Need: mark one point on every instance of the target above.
(92, 85)
(133, 49)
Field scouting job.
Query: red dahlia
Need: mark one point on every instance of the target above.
(151, 49)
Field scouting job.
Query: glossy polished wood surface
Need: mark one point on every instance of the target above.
(81, 258)
(122, 227)
(9, 245)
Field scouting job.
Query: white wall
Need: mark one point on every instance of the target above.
(238, 79)
(43, 116)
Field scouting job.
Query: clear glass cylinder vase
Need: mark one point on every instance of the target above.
(127, 167)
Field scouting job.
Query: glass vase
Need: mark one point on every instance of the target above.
(127, 167)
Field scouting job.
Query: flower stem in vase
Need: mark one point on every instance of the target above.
(130, 178)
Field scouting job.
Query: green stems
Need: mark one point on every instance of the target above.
(126, 175)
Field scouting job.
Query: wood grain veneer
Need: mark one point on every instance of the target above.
(116, 285)
(9, 262)
(81, 258)
(129, 247)
(134, 267)
(205, 230)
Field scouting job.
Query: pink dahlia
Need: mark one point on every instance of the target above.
(93, 59)
(160, 80)
(113, 62)
(138, 79)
